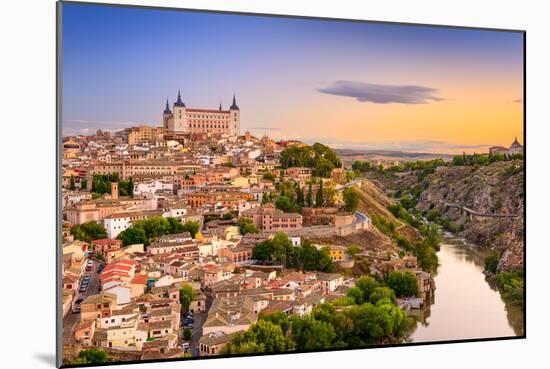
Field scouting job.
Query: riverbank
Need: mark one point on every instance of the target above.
(465, 305)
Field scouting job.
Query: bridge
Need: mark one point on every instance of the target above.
(473, 213)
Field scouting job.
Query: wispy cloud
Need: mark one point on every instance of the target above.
(518, 100)
(382, 94)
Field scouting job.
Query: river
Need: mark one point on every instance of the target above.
(465, 305)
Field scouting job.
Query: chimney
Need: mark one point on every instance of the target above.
(114, 190)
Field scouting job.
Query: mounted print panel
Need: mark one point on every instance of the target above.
(244, 184)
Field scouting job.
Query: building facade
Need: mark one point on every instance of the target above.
(182, 119)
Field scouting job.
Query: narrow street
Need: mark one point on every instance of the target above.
(200, 318)
(71, 320)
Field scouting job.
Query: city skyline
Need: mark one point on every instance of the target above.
(384, 86)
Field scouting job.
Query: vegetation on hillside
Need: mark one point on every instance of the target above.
(320, 158)
(147, 230)
(304, 257)
(89, 231)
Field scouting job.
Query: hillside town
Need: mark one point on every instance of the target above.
(168, 235)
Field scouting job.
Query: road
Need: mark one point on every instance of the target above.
(199, 319)
(71, 320)
(360, 217)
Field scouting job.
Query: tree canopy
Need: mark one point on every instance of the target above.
(351, 199)
(404, 284)
(91, 356)
(132, 236)
(318, 157)
(186, 296)
(89, 231)
(247, 226)
(263, 336)
(304, 257)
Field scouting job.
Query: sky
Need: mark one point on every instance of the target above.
(346, 84)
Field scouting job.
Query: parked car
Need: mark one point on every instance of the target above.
(76, 305)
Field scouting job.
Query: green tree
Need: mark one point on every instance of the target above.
(285, 204)
(356, 294)
(84, 184)
(311, 334)
(319, 200)
(323, 168)
(72, 185)
(132, 236)
(154, 227)
(300, 196)
(367, 284)
(175, 225)
(491, 262)
(263, 251)
(89, 231)
(261, 337)
(186, 296)
(191, 226)
(351, 199)
(187, 334)
(404, 284)
(92, 356)
(247, 226)
(281, 246)
(309, 196)
(353, 250)
(381, 293)
(130, 187)
(279, 318)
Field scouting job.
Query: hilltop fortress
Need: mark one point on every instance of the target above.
(184, 120)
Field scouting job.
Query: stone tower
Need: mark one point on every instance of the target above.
(235, 122)
(179, 117)
(166, 115)
(114, 190)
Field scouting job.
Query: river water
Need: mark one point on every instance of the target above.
(465, 305)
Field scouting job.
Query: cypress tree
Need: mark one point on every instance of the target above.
(130, 187)
(309, 198)
(319, 201)
(300, 196)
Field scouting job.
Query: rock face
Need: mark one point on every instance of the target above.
(494, 189)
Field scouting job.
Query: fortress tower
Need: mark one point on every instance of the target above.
(182, 119)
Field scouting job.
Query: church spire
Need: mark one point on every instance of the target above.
(234, 106)
(179, 102)
(167, 108)
(220, 106)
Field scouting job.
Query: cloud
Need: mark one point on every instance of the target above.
(382, 94)
(518, 100)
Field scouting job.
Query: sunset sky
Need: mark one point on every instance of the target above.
(347, 84)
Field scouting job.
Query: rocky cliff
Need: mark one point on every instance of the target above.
(494, 189)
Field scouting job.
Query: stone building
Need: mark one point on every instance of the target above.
(182, 119)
